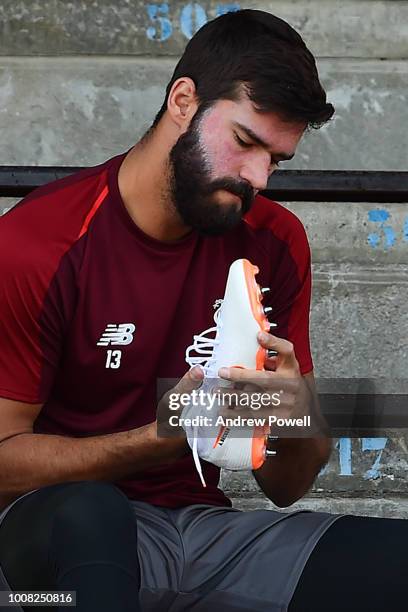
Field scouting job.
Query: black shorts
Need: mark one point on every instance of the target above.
(197, 558)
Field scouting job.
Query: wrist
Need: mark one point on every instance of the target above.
(169, 445)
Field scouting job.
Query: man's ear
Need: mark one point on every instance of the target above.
(182, 102)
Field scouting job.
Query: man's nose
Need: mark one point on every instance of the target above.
(257, 174)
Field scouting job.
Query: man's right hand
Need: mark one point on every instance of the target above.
(191, 380)
(31, 460)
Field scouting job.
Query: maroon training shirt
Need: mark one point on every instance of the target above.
(93, 311)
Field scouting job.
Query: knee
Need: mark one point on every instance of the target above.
(93, 507)
(94, 523)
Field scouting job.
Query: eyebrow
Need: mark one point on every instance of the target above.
(281, 155)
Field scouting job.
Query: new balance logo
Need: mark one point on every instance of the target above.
(117, 334)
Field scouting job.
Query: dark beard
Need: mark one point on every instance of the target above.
(191, 188)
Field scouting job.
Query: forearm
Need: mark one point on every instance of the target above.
(288, 475)
(29, 460)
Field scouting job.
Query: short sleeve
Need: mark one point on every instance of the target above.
(293, 281)
(299, 318)
(30, 336)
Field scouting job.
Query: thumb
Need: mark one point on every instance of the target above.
(191, 380)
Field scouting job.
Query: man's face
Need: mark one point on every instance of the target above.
(223, 159)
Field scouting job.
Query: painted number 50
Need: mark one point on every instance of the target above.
(192, 18)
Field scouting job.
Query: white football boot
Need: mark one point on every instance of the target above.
(232, 342)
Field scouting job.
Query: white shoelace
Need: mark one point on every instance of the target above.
(204, 345)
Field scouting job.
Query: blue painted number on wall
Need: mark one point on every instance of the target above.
(162, 29)
(344, 448)
(385, 235)
(192, 18)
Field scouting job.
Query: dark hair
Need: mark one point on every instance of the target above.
(256, 52)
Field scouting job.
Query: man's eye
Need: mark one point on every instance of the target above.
(241, 142)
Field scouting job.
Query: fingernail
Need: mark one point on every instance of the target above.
(263, 336)
(197, 372)
(224, 372)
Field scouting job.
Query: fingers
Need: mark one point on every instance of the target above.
(244, 375)
(270, 364)
(265, 379)
(284, 347)
(191, 380)
(285, 358)
(261, 403)
(170, 402)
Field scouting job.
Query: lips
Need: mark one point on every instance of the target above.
(234, 195)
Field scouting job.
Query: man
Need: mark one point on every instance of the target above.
(106, 276)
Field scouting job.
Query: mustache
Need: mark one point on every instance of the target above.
(242, 189)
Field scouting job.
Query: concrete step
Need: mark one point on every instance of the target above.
(331, 29)
(359, 467)
(389, 507)
(98, 107)
(366, 234)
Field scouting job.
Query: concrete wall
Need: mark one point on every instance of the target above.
(80, 82)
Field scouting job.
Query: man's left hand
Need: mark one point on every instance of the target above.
(284, 392)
